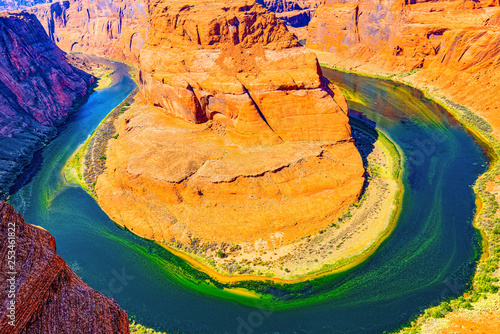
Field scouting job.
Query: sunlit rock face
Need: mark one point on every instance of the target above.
(37, 91)
(238, 65)
(450, 46)
(113, 29)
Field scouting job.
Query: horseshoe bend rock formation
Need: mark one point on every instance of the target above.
(241, 139)
(49, 296)
(451, 46)
(37, 91)
(112, 29)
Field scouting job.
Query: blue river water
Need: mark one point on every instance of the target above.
(429, 257)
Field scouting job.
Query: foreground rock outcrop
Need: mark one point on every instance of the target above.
(448, 47)
(38, 89)
(241, 142)
(49, 296)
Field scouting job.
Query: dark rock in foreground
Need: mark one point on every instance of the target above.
(49, 297)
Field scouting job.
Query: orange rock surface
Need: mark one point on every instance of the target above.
(49, 297)
(238, 65)
(170, 180)
(241, 137)
(452, 46)
(113, 29)
(487, 323)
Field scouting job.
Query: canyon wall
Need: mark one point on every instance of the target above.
(240, 139)
(38, 89)
(49, 296)
(20, 4)
(111, 29)
(447, 46)
(296, 13)
(240, 66)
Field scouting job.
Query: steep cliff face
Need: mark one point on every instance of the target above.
(396, 35)
(452, 46)
(360, 28)
(113, 29)
(49, 296)
(229, 141)
(296, 13)
(238, 66)
(37, 91)
(281, 6)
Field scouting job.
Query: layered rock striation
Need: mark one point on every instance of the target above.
(20, 4)
(238, 65)
(38, 89)
(112, 29)
(448, 46)
(241, 140)
(296, 13)
(49, 296)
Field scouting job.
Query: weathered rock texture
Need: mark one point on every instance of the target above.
(238, 65)
(243, 140)
(170, 180)
(453, 46)
(50, 297)
(37, 91)
(113, 29)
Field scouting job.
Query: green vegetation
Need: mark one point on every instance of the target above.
(139, 329)
(73, 172)
(486, 221)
